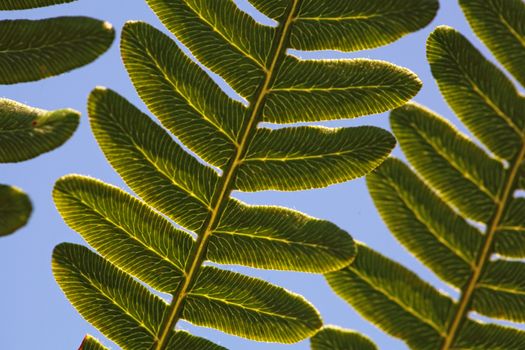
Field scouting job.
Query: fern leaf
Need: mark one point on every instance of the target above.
(421, 221)
(230, 151)
(500, 25)
(15, 209)
(90, 343)
(309, 91)
(184, 98)
(27, 132)
(478, 92)
(333, 338)
(394, 298)
(29, 4)
(352, 26)
(459, 169)
(278, 238)
(36, 49)
(292, 159)
(151, 163)
(106, 217)
(457, 211)
(249, 308)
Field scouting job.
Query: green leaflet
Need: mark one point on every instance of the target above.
(36, 49)
(500, 24)
(457, 168)
(478, 92)
(234, 153)
(249, 307)
(333, 338)
(456, 190)
(184, 98)
(394, 298)
(90, 343)
(422, 222)
(316, 90)
(27, 132)
(278, 238)
(500, 291)
(15, 209)
(29, 4)
(153, 165)
(359, 24)
(214, 33)
(300, 158)
(124, 230)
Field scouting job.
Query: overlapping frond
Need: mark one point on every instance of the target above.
(135, 238)
(456, 210)
(32, 50)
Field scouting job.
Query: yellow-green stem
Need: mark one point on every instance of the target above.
(222, 194)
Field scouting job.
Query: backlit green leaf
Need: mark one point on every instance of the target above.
(29, 4)
(300, 158)
(500, 24)
(358, 24)
(249, 307)
(332, 338)
(15, 209)
(36, 49)
(27, 132)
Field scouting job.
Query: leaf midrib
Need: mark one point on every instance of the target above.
(220, 200)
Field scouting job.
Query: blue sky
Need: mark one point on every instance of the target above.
(34, 313)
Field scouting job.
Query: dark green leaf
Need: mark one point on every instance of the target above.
(316, 90)
(27, 132)
(29, 4)
(301, 158)
(279, 238)
(249, 307)
(500, 24)
(15, 209)
(332, 338)
(124, 230)
(36, 49)
(358, 24)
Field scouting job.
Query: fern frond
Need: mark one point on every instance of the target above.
(135, 238)
(457, 209)
(32, 50)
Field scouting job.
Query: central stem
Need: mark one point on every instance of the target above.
(224, 188)
(485, 252)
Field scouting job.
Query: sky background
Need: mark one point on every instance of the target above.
(34, 314)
